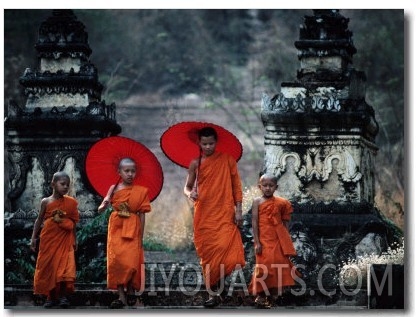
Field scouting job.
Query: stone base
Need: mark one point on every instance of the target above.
(386, 284)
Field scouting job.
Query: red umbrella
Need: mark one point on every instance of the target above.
(103, 159)
(180, 142)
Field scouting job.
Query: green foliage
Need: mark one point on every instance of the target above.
(92, 271)
(152, 244)
(93, 228)
(91, 253)
(19, 262)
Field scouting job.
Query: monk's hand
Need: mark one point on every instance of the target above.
(238, 218)
(33, 244)
(193, 196)
(258, 248)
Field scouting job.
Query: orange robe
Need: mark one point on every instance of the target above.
(56, 262)
(125, 255)
(273, 266)
(216, 237)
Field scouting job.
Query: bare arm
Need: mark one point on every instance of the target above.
(286, 224)
(254, 211)
(189, 187)
(106, 200)
(38, 222)
(236, 191)
(75, 238)
(238, 214)
(142, 219)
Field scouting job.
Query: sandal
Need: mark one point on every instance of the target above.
(262, 302)
(213, 301)
(49, 303)
(39, 300)
(131, 299)
(117, 304)
(64, 302)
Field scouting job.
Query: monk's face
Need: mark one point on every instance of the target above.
(207, 144)
(267, 186)
(61, 186)
(127, 172)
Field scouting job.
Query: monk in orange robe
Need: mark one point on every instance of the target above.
(214, 185)
(125, 254)
(272, 242)
(55, 270)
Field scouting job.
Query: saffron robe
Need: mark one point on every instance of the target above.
(125, 254)
(216, 237)
(56, 262)
(273, 266)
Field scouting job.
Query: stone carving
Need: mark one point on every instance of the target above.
(281, 104)
(313, 165)
(284, 160)
(317, 103)
(272, 161)
(18, 166)
(33, 191)
(312, 171)
(290, 185)
(301, 103)
(343, 162)
(333, 104)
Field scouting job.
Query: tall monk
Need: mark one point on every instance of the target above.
(55, 270)
(214, 185)
(272, 243)
(128, 204)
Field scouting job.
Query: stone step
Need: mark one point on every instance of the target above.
(190, 299)
(221, 307)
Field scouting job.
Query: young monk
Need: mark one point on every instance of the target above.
(55, 270)
(272, 243)
(125, 255)
(214, 185)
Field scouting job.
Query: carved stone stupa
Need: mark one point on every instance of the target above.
(63, 116)
(320, 131)
(320, 143)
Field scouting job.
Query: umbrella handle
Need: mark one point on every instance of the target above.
(198, 169)
(113, 190)
(109, 208)
(195, 186)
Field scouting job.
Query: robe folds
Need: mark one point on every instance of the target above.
(273, 267)
(217, 238)
(56, 261)
(125, 254)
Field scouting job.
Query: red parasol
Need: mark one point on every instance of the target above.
(103, 159)
(180, 142)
